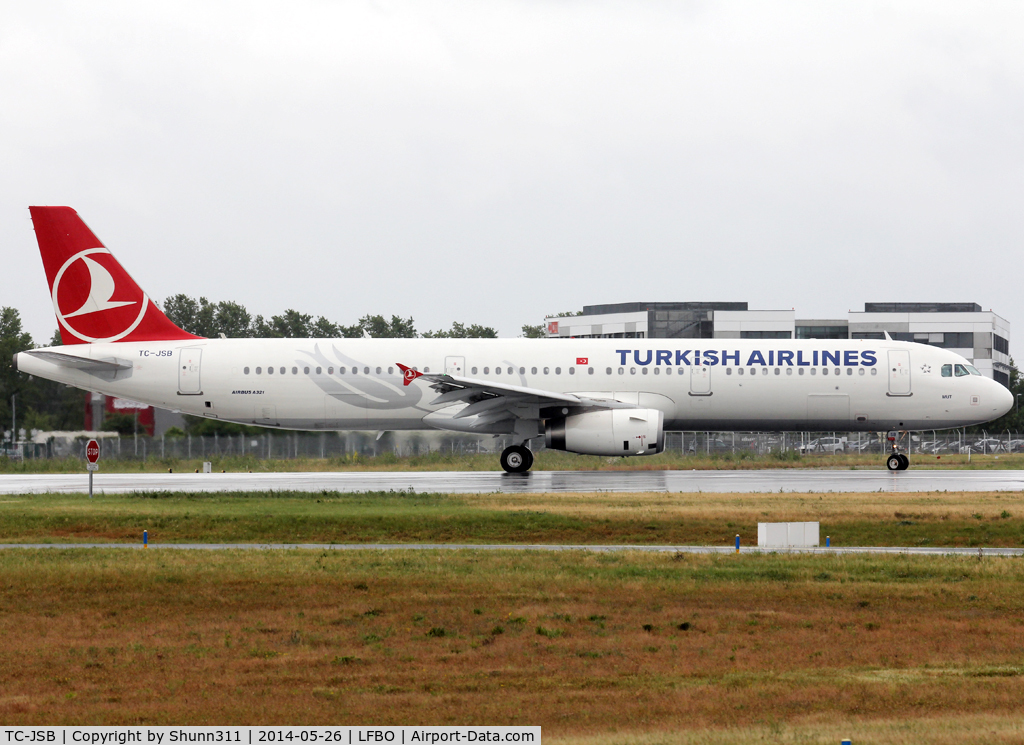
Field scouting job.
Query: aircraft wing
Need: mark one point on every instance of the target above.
(488, 403)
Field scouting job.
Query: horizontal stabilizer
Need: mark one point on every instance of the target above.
(81, 363)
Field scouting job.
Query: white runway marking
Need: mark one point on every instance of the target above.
(482, 482)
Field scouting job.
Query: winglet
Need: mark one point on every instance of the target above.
(408, 374)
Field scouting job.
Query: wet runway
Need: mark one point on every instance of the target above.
(916, 550)
(482, 482)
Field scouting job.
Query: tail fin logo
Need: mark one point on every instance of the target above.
(97, 316)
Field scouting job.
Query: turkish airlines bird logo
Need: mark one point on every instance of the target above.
(408, 374)
(84, 292)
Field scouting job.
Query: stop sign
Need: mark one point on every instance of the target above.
(92, 451)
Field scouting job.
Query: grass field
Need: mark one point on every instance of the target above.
(546, 460)
(871, 519)
(596, 648)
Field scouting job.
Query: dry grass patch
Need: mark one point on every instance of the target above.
(582, 644)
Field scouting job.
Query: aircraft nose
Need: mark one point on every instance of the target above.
(1003, 398)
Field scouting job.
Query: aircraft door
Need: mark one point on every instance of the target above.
(188, 371)
(899, 372)
(455, 365)
(700, 380)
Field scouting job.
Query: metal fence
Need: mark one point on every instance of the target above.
(285, 445)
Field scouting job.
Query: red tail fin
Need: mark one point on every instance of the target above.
(93, 296)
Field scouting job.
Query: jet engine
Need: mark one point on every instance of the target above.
(609, 432)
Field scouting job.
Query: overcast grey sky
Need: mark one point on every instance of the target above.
(490, 162)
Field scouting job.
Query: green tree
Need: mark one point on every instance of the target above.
(289, 325)
(204, 318)
(13, 339)
(460, 331)
(534, 332)
(380, 328)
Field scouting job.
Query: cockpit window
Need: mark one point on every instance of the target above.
(947, 371)
(961, 371)
(973, 370)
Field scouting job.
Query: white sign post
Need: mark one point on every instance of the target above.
(92, 454)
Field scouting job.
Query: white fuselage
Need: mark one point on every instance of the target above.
(720, 384)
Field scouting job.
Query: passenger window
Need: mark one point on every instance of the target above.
(632, 371)
(874, 371)
(472, 370)
(533, 371)
(510, 371)
(607, 371)
(355, 370)
(497, 371)
(259, 370)
(622, 371)
(378, 371)
(330, 371)
(391, 370)
(245, 371)
(295, 371)
(961, 371)
(778, 371)
(728, 371)
(753, 371)
(590, 371)
(546, 370)
(657, 371)
(860, 371)
(487, 371)
(367, 370)
(824, 371)
(764, 370)
(838, 371)
(522, 371)
(558, 371)
(668, 370)
(572, 370)
(282, 371)
(849, 371)
(319, 370)
(801, 371)
(814, 371)
(643, 370)
(305, 371)
(739, 371)
(789, 371)
(341, 371)
(270, 371)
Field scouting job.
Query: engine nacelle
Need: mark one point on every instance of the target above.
(609, 432)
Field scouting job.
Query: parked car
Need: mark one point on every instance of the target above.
(823, 445)
(1015, 446)
(988, 445)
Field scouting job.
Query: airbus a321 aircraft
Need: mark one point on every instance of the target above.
(612, 397)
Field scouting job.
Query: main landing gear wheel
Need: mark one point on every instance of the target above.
(516, 459)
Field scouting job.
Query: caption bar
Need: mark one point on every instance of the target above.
(260, 735)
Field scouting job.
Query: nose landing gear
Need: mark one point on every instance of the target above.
(897, 461)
